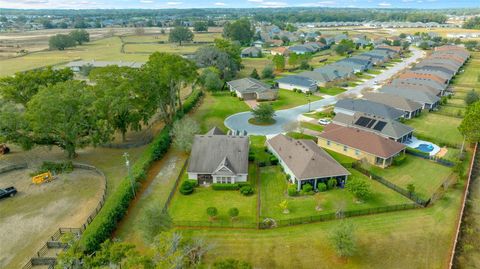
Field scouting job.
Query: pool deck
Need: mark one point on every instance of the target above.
(414, 143)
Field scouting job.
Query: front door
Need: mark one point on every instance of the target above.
(205, 179)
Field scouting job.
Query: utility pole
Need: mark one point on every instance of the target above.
(127, 164)
(308, 99)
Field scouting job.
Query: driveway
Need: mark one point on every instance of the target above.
(239, 121)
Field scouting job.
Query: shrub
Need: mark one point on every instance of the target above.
(251, 156)
(273, 160)
(233, 212)
(242, 184)
(212, 212)
(399, 160)
(292, 190)
(321, 187)
(307, 188)
(186, 188)
(331, 183)
(246, 190)
(225, 186)
(417, 152)
(262, 163)
(55, 167)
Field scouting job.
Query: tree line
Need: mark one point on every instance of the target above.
(48, 107)
(63, 41)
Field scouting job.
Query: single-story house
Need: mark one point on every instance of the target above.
(258, 44)
(280, 51)
(219, 158)
(252, 89)
(430, 86)
(305, 162)
(425, 76)
(428, 101)
(292, 82)
(358, 64)
(338, 38)
(410, 108)
(360, 144)
(251, 52)
(301, 49)
(351, 106)
(77, 66)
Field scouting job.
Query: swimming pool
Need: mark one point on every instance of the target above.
(425, 147)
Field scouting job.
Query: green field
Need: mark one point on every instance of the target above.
(312, 126)
(253, 63)
(440, 128)
(331, 90)
(169, 48)
(273, 192)
(426, 175)
(288, 99)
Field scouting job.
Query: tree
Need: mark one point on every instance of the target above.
(21, 87)
(80, 36)
(293, 59)
(13, 125)
(62, 115)
(180, 34)
(120, 99)
(169, 251)
(61, 42)
(279, 62)
(231, 264)
(470, 125)
(212, 212)
(183, 132)
(255, 74)
(472, 97)
(233, 212)
(224, 56)
(411, 188)
(359, 188)
(304, 65)
(344, 46)
(424, 45)
(402, 35)
(267, 72)
(263, 113)
(210, 79)
(343, 239)
(240, 30)
(200, 26)
(163, 76)
(154, 221)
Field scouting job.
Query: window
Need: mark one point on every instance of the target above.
(328, 142)
(345, 148)
(357, 152)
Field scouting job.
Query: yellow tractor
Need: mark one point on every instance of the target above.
(42, 178)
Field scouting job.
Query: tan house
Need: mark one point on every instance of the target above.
(360, 144)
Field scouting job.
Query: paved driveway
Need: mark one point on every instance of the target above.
(239, 121)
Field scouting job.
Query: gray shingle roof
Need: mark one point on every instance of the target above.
(251, 85)
(393, 100)
(211, 152)
(370, 107)
(297, 80)
(305, 159)
(411, 94)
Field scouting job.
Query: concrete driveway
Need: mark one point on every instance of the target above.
(239, 121)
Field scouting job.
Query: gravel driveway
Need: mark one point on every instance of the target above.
(239, 121)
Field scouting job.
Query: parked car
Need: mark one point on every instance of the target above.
(324, 121)
(8, 192)
(375, 82)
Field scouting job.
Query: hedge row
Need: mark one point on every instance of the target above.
(117, 204)
(417, 152)
(225, 187)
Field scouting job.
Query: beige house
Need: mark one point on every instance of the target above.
(360, 144)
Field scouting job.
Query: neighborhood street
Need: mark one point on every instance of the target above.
(239, 121)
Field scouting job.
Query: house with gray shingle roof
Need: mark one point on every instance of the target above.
(292, 82)
(410, 107)
(429, 101)
(251, 52)
(435, 87)
(351, 106)
(219, 158)
(305, 162)
(252, 89)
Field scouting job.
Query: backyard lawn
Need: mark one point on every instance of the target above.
(426, 175)
(288, 99)
(331, 90)
(253, 63)
(440, 128)
(190, 210)
(274, 188)
(312, 126)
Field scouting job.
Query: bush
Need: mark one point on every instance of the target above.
(243, 184)
(399, 160)
(186, 188)
(116, 205)
(292, 190)
(321, 187)
(273, 160)
(246, 190)
(414, 151)
(251, 156)
(55, 168)
(262, 164)
(307, 188)
(225, 187)
(331, 183)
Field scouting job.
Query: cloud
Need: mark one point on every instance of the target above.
(384, 4)
(255, 1)
(146, 1)
(221, 4)
(174, 3)
(273, 4)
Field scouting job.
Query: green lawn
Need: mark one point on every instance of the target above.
(426, 175)
(253, 63)
(190, 210)
(288, 99)
(373, 71)
(312, 126)
(343, 159)
(438, 128)
(274, 187)
(215, 108)
(331, 90)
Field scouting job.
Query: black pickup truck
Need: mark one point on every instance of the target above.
(8, 192)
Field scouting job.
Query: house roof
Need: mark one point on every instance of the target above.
(370, 107)
(212, 152)
(412, 94)
(250, 50)
(215, 131)
(251, 85)
(305, 159)
(392, 100)
(297, 80)
(438, 87)
(380, 125)
(418, 75)
(362, 140)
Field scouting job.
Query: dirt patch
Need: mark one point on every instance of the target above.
(37, 211)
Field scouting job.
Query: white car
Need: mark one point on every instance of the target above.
(324, 121)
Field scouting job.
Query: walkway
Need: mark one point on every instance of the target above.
(239, 121)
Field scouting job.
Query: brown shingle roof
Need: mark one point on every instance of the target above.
(305, 159)
(413, 74)
(362, 140)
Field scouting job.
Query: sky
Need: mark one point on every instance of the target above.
(161, 4)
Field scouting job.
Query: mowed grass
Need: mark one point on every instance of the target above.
(215, 108)
(425, 175)
(289, 99)
(274, 191)
(438, 127)
(331, 90)
(312, 126)
(191, 210)
(169, 48)
(253, 63)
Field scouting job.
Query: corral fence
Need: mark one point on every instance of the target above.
(54, 241)
(175, 186)
(402, 191)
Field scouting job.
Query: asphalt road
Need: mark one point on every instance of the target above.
(239, 121)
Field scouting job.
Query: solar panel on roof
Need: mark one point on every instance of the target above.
(370, 124)
(379, 126)
(363, 121)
